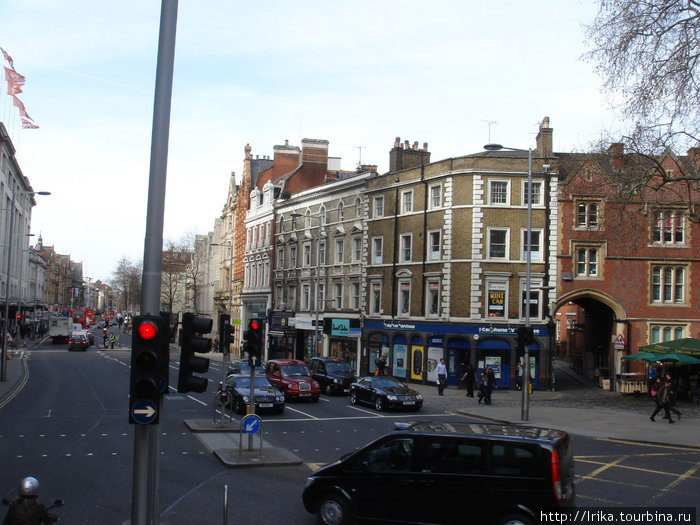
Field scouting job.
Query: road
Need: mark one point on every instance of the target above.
(68, 426)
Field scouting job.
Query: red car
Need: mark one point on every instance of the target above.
(293, 378)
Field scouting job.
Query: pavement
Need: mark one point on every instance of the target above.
(577, 406)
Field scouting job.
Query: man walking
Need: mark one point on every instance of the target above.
(441, 371)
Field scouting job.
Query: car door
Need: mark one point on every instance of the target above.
(364, 393)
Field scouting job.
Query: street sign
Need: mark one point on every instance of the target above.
(251, 424)
(619, 343)
(143, 411)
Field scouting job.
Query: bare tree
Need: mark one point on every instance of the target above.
(647, 53)
(126, 280)
(172, 288)
(195, 271)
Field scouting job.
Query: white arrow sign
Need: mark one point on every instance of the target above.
(149, 411)
(250, 427)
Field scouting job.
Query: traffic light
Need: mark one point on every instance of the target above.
(253, 339)
(189, 363)
(226, 333)
(148, 375)
(525, 337)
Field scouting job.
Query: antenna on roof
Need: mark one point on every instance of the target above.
(359, 164)
(489, 122)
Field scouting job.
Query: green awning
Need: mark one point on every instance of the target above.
(642, 356)
(687, 346)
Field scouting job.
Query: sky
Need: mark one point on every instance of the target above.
(455, 74)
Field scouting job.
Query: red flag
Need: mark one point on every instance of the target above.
(18, 103)
(12, 76)
(8, 58)
(28, 125)
(24, 113)
(13, 89)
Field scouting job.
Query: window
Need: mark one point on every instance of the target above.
(305, 296)
(377, 245)
(378, 207)
(668, 227)
(496, 299)
(662, 333)
(405, 297)
(393, 455)
(293, 257)
(668, 284)
(376, 298)
(406, 248)
(307, 220)
(292, 304)
(432, 306)
(498, 192)
(322, 253)
(536, 193)
(339, 249)
(280, 258)
(498, 243)
(322, 216)
(434, 245)
(455, 456)
(407, 201)
(321, 296)
(358, 208)
(338, 299)
(535, 245)
(587, 262)
(307, 255)
(355, 296)
(516, 459)
(340, 212)
(356, 249)
(534, 307)
(435, 196)
(587, 215)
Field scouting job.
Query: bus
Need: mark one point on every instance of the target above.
(78, 316)
(90, 316)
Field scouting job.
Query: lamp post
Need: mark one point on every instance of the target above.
(3, 359)
(524, 413)
(318, 276)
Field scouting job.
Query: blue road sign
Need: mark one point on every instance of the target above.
(251, 424)
(144, 411)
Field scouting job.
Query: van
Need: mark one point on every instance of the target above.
(448, 473)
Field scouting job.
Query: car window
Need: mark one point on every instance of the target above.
(516, 459)
(366, 382)
(394, 455)
(338, 367)
(387, 382)
(244, 382)
(454, 456)
(295, 370)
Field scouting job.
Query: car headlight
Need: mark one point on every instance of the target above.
(419, 397)
(245, 399)
(280, 397)
(335, 380)
(315, 384)
(392, 397)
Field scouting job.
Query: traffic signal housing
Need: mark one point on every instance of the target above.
(191, 343)
(149, 369)
(226, 333)
(253, 339)
(525, 337)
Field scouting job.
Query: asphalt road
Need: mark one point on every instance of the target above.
(68, 427)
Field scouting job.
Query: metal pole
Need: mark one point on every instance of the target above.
(3, 375)
(528, 277)
(147, 437)
(318, 283)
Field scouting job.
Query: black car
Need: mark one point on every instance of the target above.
(241, 366)
(385, 392)
(446, 473)
(78, 342)
(333, 374)
(238, 394)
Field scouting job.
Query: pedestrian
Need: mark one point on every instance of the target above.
(26, 509)
(656, 395)
(486, 386)
(469, 378)
(671, 398)
(381, 365)
(441, 371)
(519, 376)
(112, 339)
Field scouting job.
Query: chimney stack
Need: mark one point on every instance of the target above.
(404, 156)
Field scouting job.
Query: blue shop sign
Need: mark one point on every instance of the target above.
(436, 328)
(340, 327)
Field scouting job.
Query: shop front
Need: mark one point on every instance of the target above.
(344, 336)
(282, 336)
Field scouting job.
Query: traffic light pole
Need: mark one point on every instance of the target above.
(146, 475)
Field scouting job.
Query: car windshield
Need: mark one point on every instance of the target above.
(260, 382)
(387, 382)
(294, 370)
(338, 366)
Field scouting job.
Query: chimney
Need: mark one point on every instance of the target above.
(694, 155)
(544, 138)
(616, 151)
(314, 151)
(403, 156)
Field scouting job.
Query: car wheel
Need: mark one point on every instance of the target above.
(222, 399)
(379, 404)
(328, 390)
(515, 519)
(333, 509)
(315, 399)
(238, 406)
(353, 397)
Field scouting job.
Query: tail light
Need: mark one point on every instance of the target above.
(556, 477)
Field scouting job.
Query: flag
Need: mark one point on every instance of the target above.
(8, 58)
(28, 125)
(23, 113)
(13, 89)
(18, 103)
(12, 76)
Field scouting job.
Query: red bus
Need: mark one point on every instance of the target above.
(78, 316)
(90, 316)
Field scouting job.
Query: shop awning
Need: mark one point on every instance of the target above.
(688, 346)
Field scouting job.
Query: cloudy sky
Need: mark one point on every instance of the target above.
(357, 73)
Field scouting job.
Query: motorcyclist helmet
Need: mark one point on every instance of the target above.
(29, 487)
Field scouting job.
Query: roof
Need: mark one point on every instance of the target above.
(542, 435)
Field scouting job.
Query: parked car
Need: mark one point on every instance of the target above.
(293, 378)
(333, 374)
(78, 342)
(448, 473)
(385, 392)
(241, 366)
(238, 394)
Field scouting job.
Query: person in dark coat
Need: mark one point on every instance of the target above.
(469, 378)
(26, 509)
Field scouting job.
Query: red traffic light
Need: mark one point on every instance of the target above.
(254, 325)
(147, 330)
(19, 316)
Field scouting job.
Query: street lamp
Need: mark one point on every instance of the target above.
(3, 359)
(524, 413)
(318, 274)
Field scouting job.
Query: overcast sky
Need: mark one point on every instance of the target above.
(356, 73)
